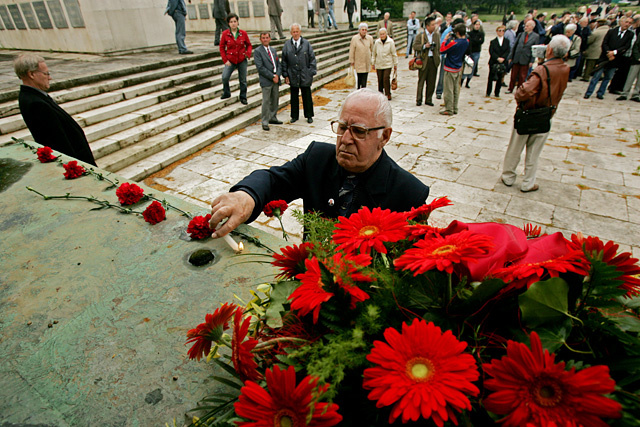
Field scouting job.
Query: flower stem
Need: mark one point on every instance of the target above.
(284, 233)
(271, 343)
(167, 205)
(103, 203)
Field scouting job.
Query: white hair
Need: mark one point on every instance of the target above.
(512, 24)
(560, 45)
(363, 25)
(295, 24)
(570, 27)
(382, 30)
(367, 96)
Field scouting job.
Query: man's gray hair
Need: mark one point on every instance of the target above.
(363, 25)
(512, 24)
(560, 45)
(295, 24)
(25, 63)
(383, 29)
(366, 96)
(570, 27)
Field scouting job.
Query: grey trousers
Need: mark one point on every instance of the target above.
(451, 91)
(322, 20)
(276, 24)
(634, 74)
(270, 97)
(181, 31)
(534, 145)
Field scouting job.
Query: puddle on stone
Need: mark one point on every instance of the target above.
(201, 257)
(12, 171)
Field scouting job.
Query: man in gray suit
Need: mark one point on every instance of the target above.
(220, 11)
(275, 12)
(521, 57)
(178, 11)
(268, 65)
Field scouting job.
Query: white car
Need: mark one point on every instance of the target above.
(370, 14)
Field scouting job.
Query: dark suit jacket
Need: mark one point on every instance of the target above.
(265, 66)
(350, 6)
(298, 64)
(316, 177)
(424, 54)
(496, 51)
(612, 41)
(50, 125)
(521, 53)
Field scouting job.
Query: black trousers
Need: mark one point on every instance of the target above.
(492, 78)
(221, 25)
(307, 102)
(427, 75)
(384, 82)
(362, 79)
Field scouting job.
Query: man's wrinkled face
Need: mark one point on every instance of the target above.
(295, 32)
(625, 23)
(529, 26)
(362, 31)
(358, 155)
(41, 77)
(387, 16)
(265, 39)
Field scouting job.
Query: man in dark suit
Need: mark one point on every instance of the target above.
(298, 69)
(427, 46)
(220, 11)
(335, 180)
(350, 6)
(49, 124)
(521, 57)
(268, 65)
(614, 45)
(177, 10)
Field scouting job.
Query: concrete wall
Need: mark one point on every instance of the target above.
(91, 26)
(422, 9)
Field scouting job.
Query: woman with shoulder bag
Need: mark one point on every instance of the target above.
(384, 58)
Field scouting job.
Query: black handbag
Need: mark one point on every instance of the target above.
(535, 120)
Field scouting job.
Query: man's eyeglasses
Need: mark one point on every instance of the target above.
(46, 74)
(357, 132)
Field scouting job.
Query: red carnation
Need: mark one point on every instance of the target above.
(128, 194)
(530, 388)
(45, 155)
(73, 170)
(199, 227)
(275, 208)
(154, 213)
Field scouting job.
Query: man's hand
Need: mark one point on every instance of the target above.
(500, 60)
(236, 206)
(286, 80)
(275, 78)
(611, 55)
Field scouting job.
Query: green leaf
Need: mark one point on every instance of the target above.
(227, 368)
(555, 335)
(279, 295)
(482, 293)
(545, 302)
(227, 382)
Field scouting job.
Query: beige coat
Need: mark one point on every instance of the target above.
(384, 55)
(360, 52)
(595, 42)
(389, 28)
(574, 50)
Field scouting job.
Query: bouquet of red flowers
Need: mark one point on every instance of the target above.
(381, 317)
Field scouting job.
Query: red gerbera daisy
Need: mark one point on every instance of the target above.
(291, 262)
(531, 388)
(154, 213)
(346, 272)
(285, 404)
(275, 208)
(418, 231)
(422, 213)
(532, 231)
(421, 372)
(128, 194)
(73, 170)
(243, 361)
(310, 294)
(444, 252)
(199, 228)
(369, 229)
(45, 154)
(628, 267)
(210, 331)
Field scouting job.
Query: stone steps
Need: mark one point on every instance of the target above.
(139, 123)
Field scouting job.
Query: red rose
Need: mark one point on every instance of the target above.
(128, 194)
(45, 155)
(154, 213)
(73, 170)
(199, 227)
(275, 207)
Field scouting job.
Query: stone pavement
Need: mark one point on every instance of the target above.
(589, 172)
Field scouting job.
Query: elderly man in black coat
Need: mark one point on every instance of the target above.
(49, 124)
(298, 69)
(335, 180)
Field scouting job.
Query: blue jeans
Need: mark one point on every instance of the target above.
(476, 57)
(333, 18)
(410, 39)
(439, 86)
(242, 76)
(608, 75)
(181, 31)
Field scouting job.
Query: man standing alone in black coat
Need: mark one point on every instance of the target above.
(49, 124)
(298, 69)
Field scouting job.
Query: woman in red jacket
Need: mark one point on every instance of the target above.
(235, 49)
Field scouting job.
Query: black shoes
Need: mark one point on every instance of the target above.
(309, 120)
(265, 127)
(621, 98)
(243, 102)
(418, 104)
(186, 52)
(587, 96)
(225, 97)
(600, 96)
(429, 103)
(293, 120)
(635, 98)
(275, 122)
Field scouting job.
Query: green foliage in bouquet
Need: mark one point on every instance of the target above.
(380, 318)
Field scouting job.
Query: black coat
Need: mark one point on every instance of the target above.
(496, 51)
(316, 177)
(50, 125)
(298, 64)
(612, 41)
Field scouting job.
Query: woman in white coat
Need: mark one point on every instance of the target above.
(384, 58)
